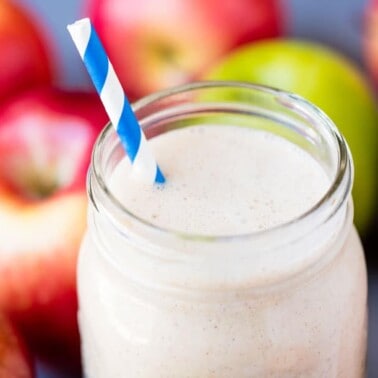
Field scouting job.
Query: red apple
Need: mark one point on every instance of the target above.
(371, 38)
(15, 361)
(24, 58)
(155, 44)
(46, 138)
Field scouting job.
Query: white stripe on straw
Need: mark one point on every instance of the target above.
(114, 100)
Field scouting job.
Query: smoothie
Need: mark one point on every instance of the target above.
(224, 271)
(223, 180)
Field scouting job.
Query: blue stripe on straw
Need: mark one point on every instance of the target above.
(133, 133)
(97, 63)
(159, 178)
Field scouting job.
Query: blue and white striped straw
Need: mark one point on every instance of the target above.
(114, 100)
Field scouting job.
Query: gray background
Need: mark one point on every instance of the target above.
(336, 23)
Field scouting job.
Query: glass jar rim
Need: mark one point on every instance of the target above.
(334, 196)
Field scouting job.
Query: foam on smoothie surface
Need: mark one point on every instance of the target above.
(223, 180)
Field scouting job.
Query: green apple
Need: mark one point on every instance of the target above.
(331, 82)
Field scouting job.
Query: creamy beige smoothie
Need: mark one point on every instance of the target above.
(218, 273)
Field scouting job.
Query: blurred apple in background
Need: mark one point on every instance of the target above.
(154, 45)
(328, 80)
(46, 138)
(24, 57)
(15, 361)
(370, 41)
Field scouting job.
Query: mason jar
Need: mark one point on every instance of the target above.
(289, 301)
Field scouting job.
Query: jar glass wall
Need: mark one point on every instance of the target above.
(283, 302)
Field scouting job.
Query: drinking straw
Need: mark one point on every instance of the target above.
(114, 100)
